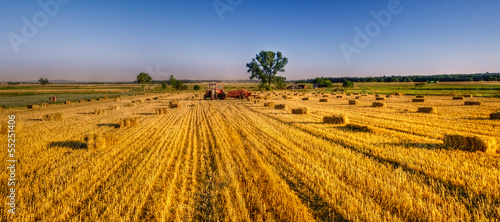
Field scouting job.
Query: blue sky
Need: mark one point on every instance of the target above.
(116, 40)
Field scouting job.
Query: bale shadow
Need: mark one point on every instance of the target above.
(74, 145)
(476, 118)
(109, 125)
(82, 113)
(147, 114)
(429, 146)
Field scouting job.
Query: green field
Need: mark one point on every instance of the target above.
(26, 94)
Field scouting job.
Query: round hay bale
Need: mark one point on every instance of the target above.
(323, 100)
(35, 106)
(340, 97)
(399, 94)
(303, 110)
(53, 117)
(420, 97)
(325, 96)
(379, 104)
(114, 107)
(128, 122)
(336, 119)
(281, 106)
(380, 98)
(305, 98)
(101, 141)
(472, 103)
(5, 128)
(44, 105)
(495, 115)
(427, 110)
(418, 100)
(471, 143)
(161, 111)
(256, 101)
(269, 104)
(174, 105)
(353, 102)
(458, 98)
(99, 111)
(67, 102)
(468, 96)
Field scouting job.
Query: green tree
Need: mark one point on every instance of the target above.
(163, 85)
(419, 85)
(176, 84)
(143, 78)
(347, 84)
(322, 82)
(280, 82)
(43, 81)
(266, 65)
(197, 87)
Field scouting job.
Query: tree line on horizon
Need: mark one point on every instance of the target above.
(418, 78)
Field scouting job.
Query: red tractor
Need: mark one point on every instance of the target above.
(215, 91)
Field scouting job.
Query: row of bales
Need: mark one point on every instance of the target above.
(109, 139)
(45, 105)
(467, 142)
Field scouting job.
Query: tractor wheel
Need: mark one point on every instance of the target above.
(241, 97)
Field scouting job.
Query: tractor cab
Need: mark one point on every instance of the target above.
(215, 91)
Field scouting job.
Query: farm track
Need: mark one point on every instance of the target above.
(234, 160)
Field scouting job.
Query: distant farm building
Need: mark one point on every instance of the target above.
(295, 86)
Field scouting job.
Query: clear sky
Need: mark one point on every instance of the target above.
(116, 40)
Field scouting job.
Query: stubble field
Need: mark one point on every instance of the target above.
(237, 160)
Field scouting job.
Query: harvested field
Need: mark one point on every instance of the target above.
(232, 160)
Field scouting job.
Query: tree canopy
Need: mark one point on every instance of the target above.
(43, 81)
(266, 65)
(322, 82)
(347, 84)
(176, 84)
(143, 78)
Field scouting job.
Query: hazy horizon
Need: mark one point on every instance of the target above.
(116, 40)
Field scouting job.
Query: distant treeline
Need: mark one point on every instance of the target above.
(420, 78)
